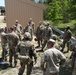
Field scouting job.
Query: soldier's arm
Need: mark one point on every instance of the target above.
(17, 50)
(61, 57)
(50, 32)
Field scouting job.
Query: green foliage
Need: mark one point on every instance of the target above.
(60, 10)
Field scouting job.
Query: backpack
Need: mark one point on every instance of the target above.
(3, 65)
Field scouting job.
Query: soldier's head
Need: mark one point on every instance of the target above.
(47, 24)
(40, 23)
(2, 29)
(30, 19)
(16, 21)
(11, 29)
(50, 43)
(67, 27)
(54, 37)
(27, 36)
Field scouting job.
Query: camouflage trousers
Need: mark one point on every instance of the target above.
(74, 67)
(39, 39)
(44, 43)
(4, 52)
(64, 43)
(11, 55)
(22, 68)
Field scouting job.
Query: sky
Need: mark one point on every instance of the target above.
(2, 3)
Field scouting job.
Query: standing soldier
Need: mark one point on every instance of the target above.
(32, 24)
(25, 51)
(39, 33)
(29, 29)
(66, 38)
(46, 35)
(18, 28)
(73, 57)
(4, 45)
(12, 42)
(51, 58)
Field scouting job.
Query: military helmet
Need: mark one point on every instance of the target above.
(51, 41)
(16, 21)
(27, 35)
(67, 27)
(54, 37)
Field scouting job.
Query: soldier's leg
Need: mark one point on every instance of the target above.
(63, 46)
(3, 53)
(68, 44)
(6, 53)
(21, 69)
(44, 44)
(29, 68)
(10, 57)
(41, 40)
(38, 42)
(15, 60)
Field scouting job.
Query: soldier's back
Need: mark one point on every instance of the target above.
(25, 47)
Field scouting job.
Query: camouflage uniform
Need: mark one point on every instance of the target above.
(50, 59)
(32, 23)
(18, 28)
(12, 42)
(25, 48)
(66, 38)
(46, 35)
(73, 57)
(4, 45)
(39, 33)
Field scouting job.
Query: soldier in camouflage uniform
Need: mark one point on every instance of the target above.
(32, 24)
(12, 42)
(39, 33)
(18, 28)
(26, 49)
(4, 45)
(29, 29)
(51, 58)
(46, 35)
(66, 38)
(73, 57)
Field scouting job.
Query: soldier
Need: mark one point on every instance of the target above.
(25, 51)
(12, 42)
(51, 58)
(4, 45)
(39, 33)
(66, 38)
(18, 26)
(46, 35)
(32, 24)
(29, 29)
(73, 57)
